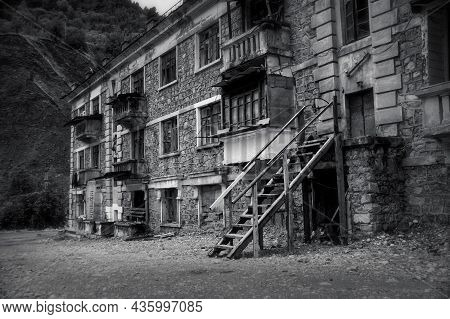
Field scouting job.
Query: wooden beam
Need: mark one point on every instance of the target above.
(256, 247)
(340, 175)
(288, 203)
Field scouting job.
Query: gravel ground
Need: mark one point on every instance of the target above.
(40, 264)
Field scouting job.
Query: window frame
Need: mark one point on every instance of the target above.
(356, 23)
(141, 81)
(176, 202)
(163, 84)
(162, 139)
(79, 161)
(201, 134)
(95, 101)
(95, 158)
(198, 47)
(138, 135)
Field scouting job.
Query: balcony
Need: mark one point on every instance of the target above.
(436, 110)
(87, 174)
(128, 169)
(261, 40)
(87, 128)
(130, 110)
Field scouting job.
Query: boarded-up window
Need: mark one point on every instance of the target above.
(138, 144)
(170, 136)
(362, 116)
(137, 81)
(439, 46)
(95, 156)
(244, 108)
(210, 118)
(209, 45)
(168, 67)
(357, 24)
(96, 105)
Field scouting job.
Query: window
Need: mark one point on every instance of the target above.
(257, 10)
(82, 110)
(81, 160)
(356, 19)
(210, 119)
(170, 136)
(138, 199)
(244, 109)
(362, 117)
(113, 87)
(137, 82)
(95, 153)
(209, 50)
(439, 45)
(138, 144)
(169, 205)
(125, 85)
(96, 105)
(168, 67)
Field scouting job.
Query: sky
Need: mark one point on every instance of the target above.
(161, 5)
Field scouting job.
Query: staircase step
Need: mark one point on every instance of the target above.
(305, 154)
(224, 246)
(234, 236)
(319, 140)
(242, 225)
(274, 185)
(269, 195)
(309, 145)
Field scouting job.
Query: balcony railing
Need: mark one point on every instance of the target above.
(258, 41)
(87, 174)
(436, 110)
(133, 167)
(88, 128)
(130, 110)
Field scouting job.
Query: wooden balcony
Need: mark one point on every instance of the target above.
(88, 128)
(87, 174)
(259, 41)
(130, 168)
(130, 110)
(436, 110)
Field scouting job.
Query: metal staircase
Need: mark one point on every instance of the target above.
(271, 188)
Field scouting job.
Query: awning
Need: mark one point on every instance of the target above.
(239, 75)
(79, 119)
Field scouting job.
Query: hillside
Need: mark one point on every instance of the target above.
(38, 64)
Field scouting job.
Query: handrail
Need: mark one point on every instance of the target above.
(275, 158)
(276, 136)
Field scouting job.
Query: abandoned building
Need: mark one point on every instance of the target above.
(312, 114)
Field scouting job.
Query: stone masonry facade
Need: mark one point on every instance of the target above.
(396, 171)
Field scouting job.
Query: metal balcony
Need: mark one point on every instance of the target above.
(130, 168)
(130, 110)
(87, 128)
(87, 174)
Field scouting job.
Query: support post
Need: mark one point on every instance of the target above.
(256, 238)
(229, 209)
(288, 204)
(340, 176)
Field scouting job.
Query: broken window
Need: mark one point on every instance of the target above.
(137, 81)
(256, 11)
(209, 45)
(138, 199)
(95, 153)
(81, 160)
(244, 108)
(362, 117)
(169, 205)
(356, 19)
(168, 67)
(210, 118)
(170, 136)
(138, 144)
(96, 105)
(439, 45)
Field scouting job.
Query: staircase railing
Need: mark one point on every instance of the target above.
(252, 162)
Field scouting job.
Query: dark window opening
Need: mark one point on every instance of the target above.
(138, 144)
(245, 108)
(210, 119)
(357, 24)
(439, 46)
(82, 111)
(137, 82)
(96, 105)
(170, 136)
(170, 205)
(256, 11)
(209, 50)
(168, 67)
(138, 199)
(362, 114)
(95, 156)
(81, 160)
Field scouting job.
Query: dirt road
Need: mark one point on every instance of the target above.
(35, 265)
